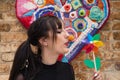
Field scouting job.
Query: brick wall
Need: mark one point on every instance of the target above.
(12, 34)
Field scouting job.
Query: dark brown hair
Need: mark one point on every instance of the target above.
(24, 54)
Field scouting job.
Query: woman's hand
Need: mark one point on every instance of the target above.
(97, 76)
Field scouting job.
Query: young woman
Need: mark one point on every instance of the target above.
(36, 58)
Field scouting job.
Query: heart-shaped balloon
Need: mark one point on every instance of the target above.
(80, 16)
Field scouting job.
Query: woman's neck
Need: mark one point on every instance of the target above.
(49, 58)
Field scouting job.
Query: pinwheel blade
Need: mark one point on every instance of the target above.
(85, 41)
(96, 37)
(95, 49)
(98, 43)
(89, 37)
(89, 48)
(89, 63)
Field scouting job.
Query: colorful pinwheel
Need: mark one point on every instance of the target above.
(93, 43)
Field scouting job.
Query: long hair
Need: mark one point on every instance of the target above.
(25, 61)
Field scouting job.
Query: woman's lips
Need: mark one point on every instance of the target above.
(67, 43)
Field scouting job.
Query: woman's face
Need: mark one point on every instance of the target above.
(59, 46)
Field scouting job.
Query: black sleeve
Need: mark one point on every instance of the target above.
(72, 75)
(20, 77)
(65, 71)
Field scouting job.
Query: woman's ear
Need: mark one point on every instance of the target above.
(43, 41)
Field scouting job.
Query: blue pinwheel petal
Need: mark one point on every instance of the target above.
(89, 37)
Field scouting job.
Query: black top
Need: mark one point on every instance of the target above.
(57, 71)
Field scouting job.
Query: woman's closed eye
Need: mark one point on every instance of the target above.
(59, 31)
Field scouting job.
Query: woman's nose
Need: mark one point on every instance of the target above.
(66, 34)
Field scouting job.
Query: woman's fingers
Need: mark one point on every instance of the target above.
(97, 76)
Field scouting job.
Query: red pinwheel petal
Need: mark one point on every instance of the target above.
(89, 48)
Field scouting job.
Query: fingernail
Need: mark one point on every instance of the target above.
(95, 74)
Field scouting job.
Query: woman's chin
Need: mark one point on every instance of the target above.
(66, 50)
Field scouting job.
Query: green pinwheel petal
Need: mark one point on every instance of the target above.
(96, 37)
(98, 63)
(89, 63)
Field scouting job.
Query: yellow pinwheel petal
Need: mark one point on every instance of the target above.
(98, 43)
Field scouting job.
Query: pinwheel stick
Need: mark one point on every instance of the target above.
(94, 62)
